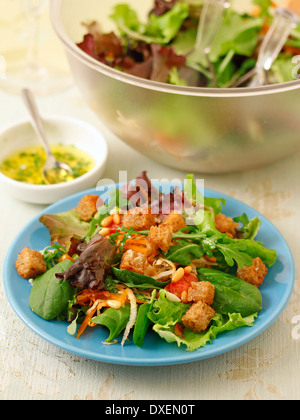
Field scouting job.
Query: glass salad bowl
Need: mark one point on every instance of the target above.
(208, 130)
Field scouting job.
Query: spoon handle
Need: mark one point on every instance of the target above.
(209, 23)
(284, 21)
(36, 119)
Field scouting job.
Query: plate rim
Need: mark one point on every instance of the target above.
(183, 358)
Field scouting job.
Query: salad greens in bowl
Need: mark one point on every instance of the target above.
(196, 129)
(148, 262)
(163, 49)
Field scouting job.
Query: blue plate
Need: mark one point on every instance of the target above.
(276, 291)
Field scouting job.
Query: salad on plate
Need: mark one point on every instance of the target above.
(145, 260)
(162, 49)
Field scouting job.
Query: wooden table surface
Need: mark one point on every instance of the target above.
(266, 368)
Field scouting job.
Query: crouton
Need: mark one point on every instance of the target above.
(139, 218)
(30, 264)
(198, 317)
(140, 244)
(291, 4)
(134, 261)
(255, 274)
(161, 236)
(174, 220)
(203, 290)
(226, 225)
(87, 207)
(137, 262)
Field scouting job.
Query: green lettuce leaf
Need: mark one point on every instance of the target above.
(124, 15)
(238, 33)
(63, 226)
(167, 25)
(250, 228)
(164, 311)
(219, 324)
(158, 30)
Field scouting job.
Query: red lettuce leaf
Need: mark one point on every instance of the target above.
(89, 270)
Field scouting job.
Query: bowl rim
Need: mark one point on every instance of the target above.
(71, 47)
(77, 181)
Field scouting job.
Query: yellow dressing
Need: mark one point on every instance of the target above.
(26, 165)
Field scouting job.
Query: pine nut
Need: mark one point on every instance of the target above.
(184, 296)
(107, 221)
(178, 275)
(188, 269)
(114, 304)
(116, 219)
(104, 232)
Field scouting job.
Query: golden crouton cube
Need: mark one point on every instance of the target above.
(134, 261)
(174, 220)
(203, 290)
(226, 225)
(87, 207)
(30, 264)
(161, 236)
(255, 274)
(198, 317)
(139, 218)
(291, 4)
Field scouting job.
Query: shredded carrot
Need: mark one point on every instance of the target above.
(66, 257)
(89, 296)
(87, 319)
(290, 50)
(138, 245)
(96, 300)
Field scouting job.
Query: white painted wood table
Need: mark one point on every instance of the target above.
(266, 368)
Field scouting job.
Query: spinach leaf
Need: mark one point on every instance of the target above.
(49, 295)
(232, 295)
(143, 322)
(115, 320)
(184, 252)
(139, 281)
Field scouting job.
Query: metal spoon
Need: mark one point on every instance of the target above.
(54, 172)
(284, 21)
(209, 24)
